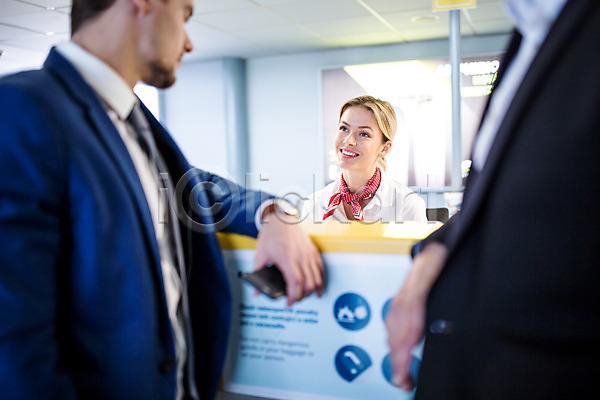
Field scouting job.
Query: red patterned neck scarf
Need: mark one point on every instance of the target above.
(353, 199)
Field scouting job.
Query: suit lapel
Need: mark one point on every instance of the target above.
(175, 160)
(185, 178)
(511, 52)
(110, 138)
(549, 54)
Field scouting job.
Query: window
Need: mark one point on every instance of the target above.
(420, 91)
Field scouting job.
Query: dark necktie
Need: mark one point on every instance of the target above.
(138, 121)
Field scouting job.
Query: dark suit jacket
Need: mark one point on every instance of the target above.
(82, 306)
(515, 312)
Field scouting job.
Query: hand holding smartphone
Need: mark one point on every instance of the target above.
(267, 280)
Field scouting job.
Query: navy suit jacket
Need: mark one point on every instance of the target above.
(82, 304)
(515, 311)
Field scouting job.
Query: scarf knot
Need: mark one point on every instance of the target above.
(353, 199)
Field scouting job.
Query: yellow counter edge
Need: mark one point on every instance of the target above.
(352, 237)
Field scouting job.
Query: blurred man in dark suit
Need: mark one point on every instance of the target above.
(506, 293)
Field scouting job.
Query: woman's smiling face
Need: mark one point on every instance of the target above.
(359, 142)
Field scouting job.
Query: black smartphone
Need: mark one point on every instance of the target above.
(268, 280)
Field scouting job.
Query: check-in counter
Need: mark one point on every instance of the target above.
(332, 347)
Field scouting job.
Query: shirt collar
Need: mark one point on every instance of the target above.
(533, 18)
(109, 85)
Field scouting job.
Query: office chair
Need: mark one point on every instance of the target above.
(437, 214)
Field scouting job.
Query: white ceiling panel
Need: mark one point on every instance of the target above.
(403, 21)
(203, 35)
(64, 10)
(233, 50)
(49, 3)
(10, 32)
(211, 6)
(351, 26)
(273, 2)
(257, 28)
(304, 11)
(241, 20)
(280, 34)
(488, 11)
(386, 6)
(40, 21)
(10, 7)
(212, 44)
(368, 38)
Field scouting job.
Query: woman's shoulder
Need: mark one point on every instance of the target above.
(398, 189)
(327, 191)
(413, 206)
(319, 198)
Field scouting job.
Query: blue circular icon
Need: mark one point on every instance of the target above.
(351, 361)
(386, 309)
(386, 368)
(351, 311)
(413, 368)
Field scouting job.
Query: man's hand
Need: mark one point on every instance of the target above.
(282, 242)
(406, 319)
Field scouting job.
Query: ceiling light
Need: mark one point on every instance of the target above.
(425, 18)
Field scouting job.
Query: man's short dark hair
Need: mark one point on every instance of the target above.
(84, 10)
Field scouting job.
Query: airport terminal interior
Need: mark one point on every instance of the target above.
(257, 101)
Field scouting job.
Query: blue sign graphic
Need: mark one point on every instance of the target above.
(413, 368)
(386, 309)
(351, 311)
(351, 361)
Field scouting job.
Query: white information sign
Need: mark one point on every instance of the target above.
(333, 347)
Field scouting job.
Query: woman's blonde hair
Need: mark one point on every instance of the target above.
(384, 115)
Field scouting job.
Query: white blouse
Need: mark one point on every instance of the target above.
(393, 202)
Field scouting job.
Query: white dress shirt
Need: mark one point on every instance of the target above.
(533, 19)
(119, 99)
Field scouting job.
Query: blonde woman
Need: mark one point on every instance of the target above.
(364, 191)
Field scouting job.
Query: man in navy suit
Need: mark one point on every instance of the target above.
(506, 293)
(103, 294)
